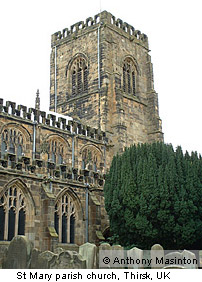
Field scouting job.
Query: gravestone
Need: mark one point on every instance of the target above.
(105, 251)
(157, 256)
(174, 258)
(34, 258)
(136, 255)
(89, 252)
(44, 260)
(19, 254)
(200, 259)
(119, 253)
(67, 260)
(189, 260)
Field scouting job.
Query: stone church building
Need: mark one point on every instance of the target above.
(53, 164)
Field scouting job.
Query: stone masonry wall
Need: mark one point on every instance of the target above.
(106, 42)
(43, 181)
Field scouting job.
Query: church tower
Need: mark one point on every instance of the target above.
(101, 74)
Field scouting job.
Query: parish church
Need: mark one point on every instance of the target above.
(53, 164)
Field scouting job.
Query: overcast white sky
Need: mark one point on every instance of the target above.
(175, 39)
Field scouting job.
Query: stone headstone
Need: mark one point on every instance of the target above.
(117, 248)
(67, 260)
(200, 259)
(190, 260)
(59, 250)
(118, 253)
(105, 247)
(34, 258)
(157, 256)
(19, 253)
(135, 256)
(78, 261)
(104, 251)
(88, 252)
(3, 251)
(174, 259)
(44, 260)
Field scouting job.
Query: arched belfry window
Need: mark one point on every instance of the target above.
(65, 219)
(12, 213)
(79, 76)
(129, 77)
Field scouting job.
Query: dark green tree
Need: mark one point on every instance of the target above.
(153, 194)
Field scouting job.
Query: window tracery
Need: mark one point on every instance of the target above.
(12, 213)
(12, 142)
(79, 76)
(91, 158)
(65, 219)
(56, 151)
(129, 77)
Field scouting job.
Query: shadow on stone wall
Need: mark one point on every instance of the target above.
(20, 254)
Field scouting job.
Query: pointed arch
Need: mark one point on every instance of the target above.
(76, 73)
(134, 61)
(25, 132)
(68, 215)
(57, 136)
(22, 185)
(92, 157)
(73, 195)
(76, 56)
(16, 207)
(57, 148)
(93, 147)
(14, 139)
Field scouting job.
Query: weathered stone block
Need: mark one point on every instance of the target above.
(19, 253)
(88, 252)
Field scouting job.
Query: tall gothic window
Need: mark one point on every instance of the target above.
(12, 214)
(65, 219)
(12, 142)
(79, 76)
(129, 77)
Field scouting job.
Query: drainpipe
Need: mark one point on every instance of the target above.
(98, 55)
(98, 67)
(55, 78)
(73, 155)
(34, 140)
(105, 143)
(87, 186)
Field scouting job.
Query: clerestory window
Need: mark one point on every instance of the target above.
(91, 159)
(56, 152)
(11, 142)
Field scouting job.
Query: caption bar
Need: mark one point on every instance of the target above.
(59, 275)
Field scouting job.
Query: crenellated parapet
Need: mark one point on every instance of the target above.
(102, 19)
(52, 120)
(39, 165)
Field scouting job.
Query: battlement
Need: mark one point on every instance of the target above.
(55, 120)
(103, 18)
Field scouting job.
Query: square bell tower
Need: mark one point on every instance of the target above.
(102, 76)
